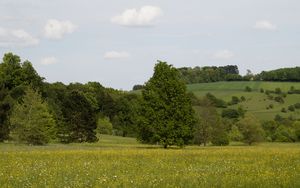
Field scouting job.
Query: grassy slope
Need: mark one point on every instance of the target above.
(122, 162)
(256, 102)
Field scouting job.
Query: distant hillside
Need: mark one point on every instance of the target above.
(256, 102)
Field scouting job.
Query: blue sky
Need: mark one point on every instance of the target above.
(117, 42)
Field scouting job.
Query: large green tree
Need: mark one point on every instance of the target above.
(80, 119)
(167, 114)
(31, 121)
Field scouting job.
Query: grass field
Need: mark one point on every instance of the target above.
(122, 162)
(256, 102)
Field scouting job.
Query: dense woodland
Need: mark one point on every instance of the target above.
(33, 111)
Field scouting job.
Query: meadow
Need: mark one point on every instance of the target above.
(256, 102)
(123, 162)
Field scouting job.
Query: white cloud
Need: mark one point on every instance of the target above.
(223, 55)
(49, 61)
(116, 55)
(145, 16)
(16, 38)
(55, 29)
(265, 25)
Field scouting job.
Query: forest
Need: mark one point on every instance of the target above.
(161, 111)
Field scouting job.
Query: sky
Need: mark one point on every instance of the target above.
(118, 42)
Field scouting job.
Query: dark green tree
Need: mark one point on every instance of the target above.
(167, 114)
(126, 120)
(5, 106)
(80, 119)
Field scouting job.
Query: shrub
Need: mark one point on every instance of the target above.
(230, 113)
(243, 98)
(234, 100)
(104, 126)
(251, 129)
(262, 90)
(235, 134)
(278, 91)
(279, 99)
(297, 106)
(220, 140)
(219, 103)
(283, 110)
(248, 89)
(291, 108)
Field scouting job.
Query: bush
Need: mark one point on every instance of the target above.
(284, 95)
(104, 126)
(220, 140)
(243, 98)
(297, 106)
(235, 134)
(234, 100)
(285, 134)
(271, 106)
(283, 110)
(279, 99)
(248, 89)
(262, 90)
(291, 108)
(251, 129)
(278, 91)
(230, 113)
(219, 103)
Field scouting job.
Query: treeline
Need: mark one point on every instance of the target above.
(36, 112)
(231, 73)
(209, 74)
(283, 75)
(33, 111)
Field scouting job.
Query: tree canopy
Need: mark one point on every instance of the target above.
(167, 114)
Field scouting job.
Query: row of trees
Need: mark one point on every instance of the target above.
(231, 73)
(36, 112)
(209, 74)
(283, 75)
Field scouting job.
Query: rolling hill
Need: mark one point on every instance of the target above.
(256, 102)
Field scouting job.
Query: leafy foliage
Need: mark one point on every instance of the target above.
(251, 129)
(167, 114)
(31, 121)
(80, 119)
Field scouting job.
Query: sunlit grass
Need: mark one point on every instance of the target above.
(123, 162)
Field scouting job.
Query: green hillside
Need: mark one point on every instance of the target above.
(256, 102)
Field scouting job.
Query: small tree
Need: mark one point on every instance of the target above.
(234, 100)
(31, 121)
(167, 114)
(251, 129)
(104, 126)
(206, 116)
(235, 134)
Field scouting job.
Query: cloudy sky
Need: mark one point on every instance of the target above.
(117, 42)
